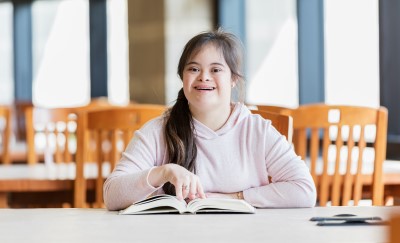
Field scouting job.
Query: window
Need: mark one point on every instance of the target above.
(6, 53)
(117, 45)
(60, 35)
(352, 52)
(272, 63)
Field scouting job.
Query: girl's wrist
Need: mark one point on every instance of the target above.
(156, 177)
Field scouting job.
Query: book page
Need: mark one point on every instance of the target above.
(156, 204)
(220, 205)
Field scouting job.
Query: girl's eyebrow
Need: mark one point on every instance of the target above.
(214, 63)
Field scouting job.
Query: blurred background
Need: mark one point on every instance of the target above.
(63, 53)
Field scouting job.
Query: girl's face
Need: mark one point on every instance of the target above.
(207, 80)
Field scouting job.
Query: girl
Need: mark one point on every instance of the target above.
(206, 145)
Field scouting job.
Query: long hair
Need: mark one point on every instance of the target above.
(178, 125)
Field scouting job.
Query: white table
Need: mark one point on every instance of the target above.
(267, 225)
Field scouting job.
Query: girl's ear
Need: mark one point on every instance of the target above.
(233, 84)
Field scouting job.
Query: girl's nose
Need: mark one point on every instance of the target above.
(204, 76)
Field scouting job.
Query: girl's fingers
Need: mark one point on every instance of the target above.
(186, 187)
(178, 191)
(193, 190)
(200, 191)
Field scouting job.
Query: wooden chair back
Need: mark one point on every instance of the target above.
(113, 129)
(50, 134)
(336, 138)
(282, 123)
(272, 108)
(41, 121)
(5, 133)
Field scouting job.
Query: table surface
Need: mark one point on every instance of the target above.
(266, 225)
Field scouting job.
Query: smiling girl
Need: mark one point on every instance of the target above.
(207, 144)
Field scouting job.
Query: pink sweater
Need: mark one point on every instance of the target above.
(238, 157)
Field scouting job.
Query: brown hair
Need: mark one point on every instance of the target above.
(179, 128)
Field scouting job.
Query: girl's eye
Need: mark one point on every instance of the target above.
(216, 70)
(193, 69)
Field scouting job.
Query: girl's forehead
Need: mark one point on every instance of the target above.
(209, 47)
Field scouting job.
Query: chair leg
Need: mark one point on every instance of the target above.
(3, 200)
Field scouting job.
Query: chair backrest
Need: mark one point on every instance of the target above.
(5, 133)
(41, 133)
(50, 134)
(272, 108)
(113, 129)
(282, 123)
(339, 143)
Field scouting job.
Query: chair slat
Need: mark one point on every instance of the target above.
(67, 153)
(30, 136)
(58, 155)
(314, 147)
(114, 150)
(5, 134)
(323, 183)
(337, 179)
(99, 179)
(347, 188)
(358, 183)
(301, 143)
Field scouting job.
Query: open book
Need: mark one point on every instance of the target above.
(170, 204)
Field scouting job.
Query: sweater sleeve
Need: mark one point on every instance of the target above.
(128, 182)
(292, 184)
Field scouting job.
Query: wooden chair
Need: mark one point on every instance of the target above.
(282, 123)
(115, 127)
(394, 231)
(35, 184)
(52, 128)
(5, 133)
(51, 138)
(340, 135)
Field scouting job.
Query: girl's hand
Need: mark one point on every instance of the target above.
(187, 184)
